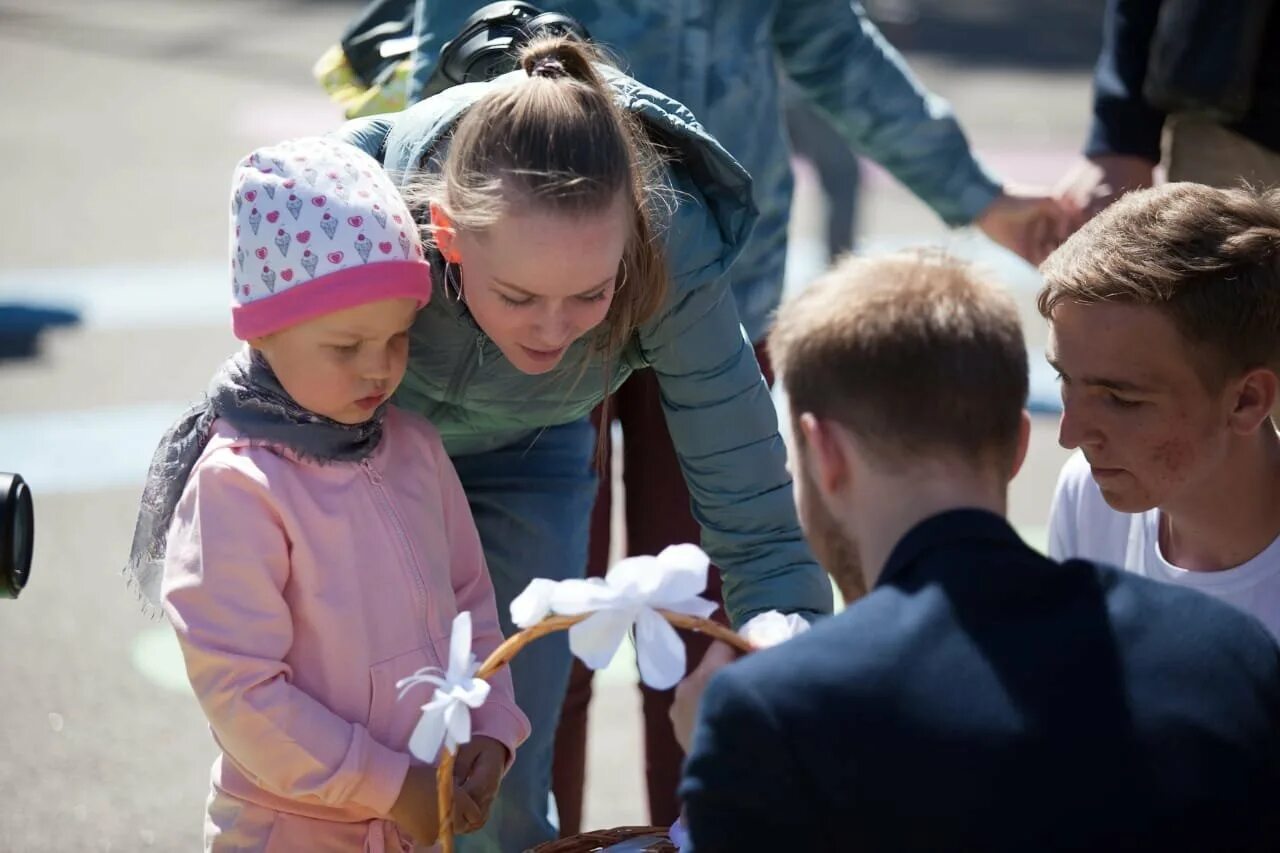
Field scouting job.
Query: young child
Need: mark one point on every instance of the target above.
(314, 541)
(1165, 329)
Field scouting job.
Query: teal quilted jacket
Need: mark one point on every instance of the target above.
(720, 414)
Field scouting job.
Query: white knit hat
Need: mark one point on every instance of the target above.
(316, 227)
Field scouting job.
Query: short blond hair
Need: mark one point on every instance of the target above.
(913, 352)
(1208, 258)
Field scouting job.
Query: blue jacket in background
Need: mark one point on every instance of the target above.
(721, 417)
(722, 60)
(984, 697)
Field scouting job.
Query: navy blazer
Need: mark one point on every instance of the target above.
(984, 697)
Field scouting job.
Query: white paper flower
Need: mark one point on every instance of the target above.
(771, 628)
(446, 719)
(628, 595)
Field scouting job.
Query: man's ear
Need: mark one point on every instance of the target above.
(1024, 442)
(826, 456)
(1256, 396)
(445, 234)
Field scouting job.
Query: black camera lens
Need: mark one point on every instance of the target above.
(489, 41)
(17, 534)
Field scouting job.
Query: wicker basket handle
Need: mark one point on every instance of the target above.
(511, 647)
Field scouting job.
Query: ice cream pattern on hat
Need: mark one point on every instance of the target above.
(363, 246)
(329, 224)
(310, 213)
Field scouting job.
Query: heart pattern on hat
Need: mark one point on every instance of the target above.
(327, 207)
(318, 219)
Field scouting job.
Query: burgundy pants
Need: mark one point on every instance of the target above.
(657, 515)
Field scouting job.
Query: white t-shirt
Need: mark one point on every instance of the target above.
(1082, 525)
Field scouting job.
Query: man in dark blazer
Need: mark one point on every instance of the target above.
(980, 696)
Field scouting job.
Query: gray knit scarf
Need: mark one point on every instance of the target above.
(246, 394)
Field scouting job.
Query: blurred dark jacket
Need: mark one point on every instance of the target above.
(983, 697)
(1214, 58)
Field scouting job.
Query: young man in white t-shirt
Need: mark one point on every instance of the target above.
(1164, 317)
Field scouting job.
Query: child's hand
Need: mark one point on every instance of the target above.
(478, 769)
(416, 809)
(467, 816)
(477, 773)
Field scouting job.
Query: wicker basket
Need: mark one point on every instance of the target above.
(602, 839)
(587, 841)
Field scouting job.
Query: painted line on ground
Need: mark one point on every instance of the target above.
(97, 449)
(128, 297)
(87, 450)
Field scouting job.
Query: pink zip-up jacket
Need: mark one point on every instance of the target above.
(300, 593)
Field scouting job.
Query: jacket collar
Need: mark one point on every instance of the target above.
(945, 530)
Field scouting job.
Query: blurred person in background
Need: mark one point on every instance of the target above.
(1192, 83)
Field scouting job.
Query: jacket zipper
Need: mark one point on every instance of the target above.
(473, 359)
(406, 546)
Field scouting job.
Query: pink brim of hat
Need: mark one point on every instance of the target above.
(336, 291)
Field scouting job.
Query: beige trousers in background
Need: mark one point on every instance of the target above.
(1202, 151)
(1197, 149)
